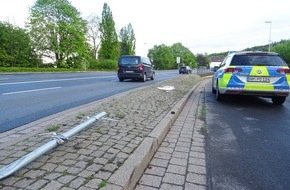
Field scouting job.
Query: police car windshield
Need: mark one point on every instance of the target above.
(258, 60)
(129, 61)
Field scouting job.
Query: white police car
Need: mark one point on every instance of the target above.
(263, 74)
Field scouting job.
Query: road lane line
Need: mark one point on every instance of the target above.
(27, 91)
(54, 80)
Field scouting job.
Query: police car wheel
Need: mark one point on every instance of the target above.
(278, 100)
(218, 95)
(212, 88)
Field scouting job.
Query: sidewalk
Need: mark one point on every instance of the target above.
(111, 154)
(179, 162)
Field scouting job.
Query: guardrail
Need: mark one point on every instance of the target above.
(202, 71)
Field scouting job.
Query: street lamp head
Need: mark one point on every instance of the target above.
(268, 22)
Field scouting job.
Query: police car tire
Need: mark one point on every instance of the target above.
(212, 89)
(278, 100)
(218, 95)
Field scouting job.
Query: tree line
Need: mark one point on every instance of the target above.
(56, 35)
(282, 48)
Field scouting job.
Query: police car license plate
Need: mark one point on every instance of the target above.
(259, 79)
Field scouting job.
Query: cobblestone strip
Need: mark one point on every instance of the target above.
(179, 163)
(88, 160)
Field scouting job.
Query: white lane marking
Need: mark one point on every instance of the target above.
(54, 80)
(35, 90)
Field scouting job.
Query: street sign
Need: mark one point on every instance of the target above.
(178, 60)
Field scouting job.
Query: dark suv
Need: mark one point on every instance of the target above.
(135, 67)
(185, 69)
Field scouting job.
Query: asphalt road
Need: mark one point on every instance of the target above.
(27, 97)
(248, 143)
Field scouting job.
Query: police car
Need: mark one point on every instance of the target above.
(263, 74)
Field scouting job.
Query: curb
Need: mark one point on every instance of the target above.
(128, 175)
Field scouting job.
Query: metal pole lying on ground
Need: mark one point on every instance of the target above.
(58, 139)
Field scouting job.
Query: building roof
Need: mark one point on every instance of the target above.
(217, 59)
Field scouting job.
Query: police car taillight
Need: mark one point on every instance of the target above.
(233, 70)
(284, 71)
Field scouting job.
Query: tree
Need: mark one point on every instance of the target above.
(202, 60)
(58, 32)
(186, 56)
(93, 32)
(283, 49)
(15, 47)
(162, 57)
(109, 39)
(127, 40)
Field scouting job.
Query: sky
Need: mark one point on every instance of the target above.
(203, 26)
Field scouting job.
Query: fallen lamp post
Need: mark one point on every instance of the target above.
(57, 140)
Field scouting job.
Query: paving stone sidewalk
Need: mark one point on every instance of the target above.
(179, 162)
(88, 160)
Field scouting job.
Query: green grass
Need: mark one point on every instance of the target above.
(203, 112)
(52, 128)
(80, 116)
(120, 115)
(120, 163)
(91, 162)
(196, 110)
(89, 178)
(203, 129)
(103, 184)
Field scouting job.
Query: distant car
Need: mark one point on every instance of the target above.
(135, 67)
(185, 69)
(261, 74)
(214, 69)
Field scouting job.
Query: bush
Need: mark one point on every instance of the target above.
(109, 64)
(30, 69)
(95, 64)
(284, 50)
(106, 65)
(47, 65)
